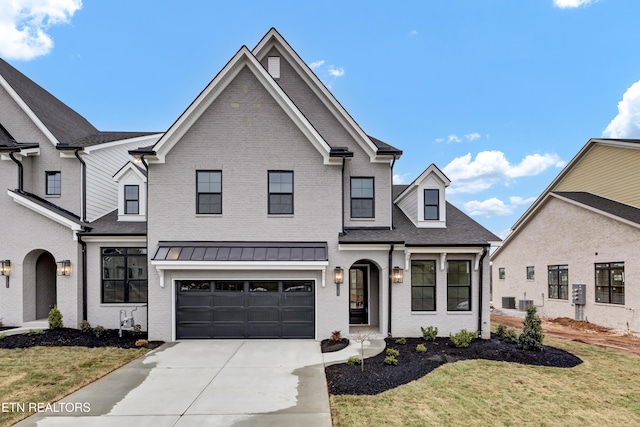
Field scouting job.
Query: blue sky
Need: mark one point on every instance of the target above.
(500, 94)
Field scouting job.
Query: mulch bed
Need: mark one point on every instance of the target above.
(329, 346)
(74, 337)
(379, 377)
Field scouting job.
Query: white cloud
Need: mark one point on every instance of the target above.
(327, 73)
(24, 25)
(491, 167)
(399, 179)
(627, 123)
(455, 138)
(472, 136)
(566, 4)
(495, 207)
(336, 72)
(413, 33)
(316, 64)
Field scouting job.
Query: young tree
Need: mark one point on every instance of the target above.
(531, 336)
(361, 337)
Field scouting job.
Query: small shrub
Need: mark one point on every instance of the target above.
(85, 326)
(401, 341)
(421, 348)
(34, 332)
(335, 336)
(99, 331)
(2, 336)
(354, 361)
(141, 343)
(430, 333)
(393, 352)
(462, 338)
(510, 336)
(531, 337)
(55, 318)
(501, 330)
(390, 360)
(137, 330)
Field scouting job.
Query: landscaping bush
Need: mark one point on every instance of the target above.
(85, 326)
(430, 333)
(3, 336)
(99, 331)
(390, 360)
(55, 318)
(462, 338)
(353, 361)
(34, 332)
(393, 352)
(401, 341)
(335, 336)
(141, 343)
(501, 330)
(508, 335)
(531, 337)
(421, 348)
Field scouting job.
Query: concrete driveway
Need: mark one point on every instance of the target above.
(205, 383)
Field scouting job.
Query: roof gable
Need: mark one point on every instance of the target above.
(241, 60)
(432, 169)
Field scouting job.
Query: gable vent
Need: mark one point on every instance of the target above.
(273, 65)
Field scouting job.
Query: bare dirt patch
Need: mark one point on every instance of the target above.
(580, 331)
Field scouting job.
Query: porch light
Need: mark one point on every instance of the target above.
(397, 274)
(338, 275)
(5, 269)
(64, 268)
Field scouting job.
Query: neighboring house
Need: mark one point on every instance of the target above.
(583, 230)
(263, 211)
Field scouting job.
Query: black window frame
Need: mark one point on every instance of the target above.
(372, 198)
(609, 293)
(557, 290)
(457, 286)
(431, 205)
(531, 272)
(271, 206)
(208, 193)
(502, 273)
(127, 200)
(58, 185)
(418, 297)
(129, 281)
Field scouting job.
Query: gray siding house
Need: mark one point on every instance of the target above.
(264, 211)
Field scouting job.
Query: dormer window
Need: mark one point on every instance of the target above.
(131, 199)
(431, 204)
(132, 193)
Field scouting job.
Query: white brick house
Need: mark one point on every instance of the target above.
(263, 211)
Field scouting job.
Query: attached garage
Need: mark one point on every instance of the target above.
(243, 289)
(245, 309)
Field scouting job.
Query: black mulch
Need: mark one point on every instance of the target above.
(74, 337)
(329, 346)
(378, 377)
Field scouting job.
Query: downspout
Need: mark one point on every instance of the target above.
(344, 159)
(84, 185)
(20, 171)
(390, 287)
(393, 162)
(84, 276)
(484, 253)
(146, 231)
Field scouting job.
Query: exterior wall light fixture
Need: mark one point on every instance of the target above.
(5, 269)
(397, 274)
(64, 268)
(338, 277)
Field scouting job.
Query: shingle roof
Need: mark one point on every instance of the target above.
(383, 147)
(461, 230)
(109, 225)
(52, 207)
(104, 137)
(621, 210)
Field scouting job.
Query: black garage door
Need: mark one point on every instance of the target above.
(245, 309)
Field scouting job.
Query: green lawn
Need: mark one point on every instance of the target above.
(46, 374)
(602, 391)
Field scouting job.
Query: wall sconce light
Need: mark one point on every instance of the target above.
(397, 274)
(64, 268)
(5, 269)
(338, 277)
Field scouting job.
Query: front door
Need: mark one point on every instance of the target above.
(358, 295)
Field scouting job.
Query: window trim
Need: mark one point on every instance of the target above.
(533, 272)
(469, 286)
(434, 286)
(502, 273)
(198, 171)
(437, 205)
(558, 268)
(137, 200)
(269, 193)
(49, 174)
(609, 267)
(125, 280)
(372, 198)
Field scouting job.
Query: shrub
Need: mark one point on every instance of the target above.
(335, 336)
(501, 330)
(99, 331)
(462, 338)
(55, 318)
(510, 336)
(85, 326)
(141, 343)
(531, 336)
(353, 361)
(34, 332)
(2, 336)
(393, 352)
(401, 341)
(429, 334)
(137, 330)
(421, 348)
(390, 360)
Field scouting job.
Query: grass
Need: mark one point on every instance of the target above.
(601, 391)
(47, 374)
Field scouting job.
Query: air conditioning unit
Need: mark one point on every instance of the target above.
(509, 302)
(524, 303)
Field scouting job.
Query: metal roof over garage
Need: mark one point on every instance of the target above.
(241, 251)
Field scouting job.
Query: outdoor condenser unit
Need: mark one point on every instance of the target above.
(524, 303)
(509, 302)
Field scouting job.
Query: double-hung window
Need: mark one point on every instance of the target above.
(124, 275)
(558, 281)
(131, 199)
(459, 285)
(423, 285)
(280, 193)
(209, 192)
(431, 204)
(610, 283)
(53, 183)
(531, 273)
(362, 198)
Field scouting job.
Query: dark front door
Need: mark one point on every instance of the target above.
(45, 285)
(358, 295)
